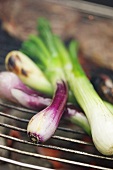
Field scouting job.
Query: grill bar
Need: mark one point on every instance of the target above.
(54, 137)
(14, 117)
(55, 147)
(30, 166)
(53, 158)
(31, 112)
(16, 108)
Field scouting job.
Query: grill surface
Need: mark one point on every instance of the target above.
(74, 147)
(76, 151)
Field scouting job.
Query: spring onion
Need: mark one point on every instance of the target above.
(98, 115)
(44, 124)
(27, 71)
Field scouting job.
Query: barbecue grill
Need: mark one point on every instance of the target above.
(70, 147)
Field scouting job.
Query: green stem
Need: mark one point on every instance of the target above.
(35, 48)
(81, 121)
(45, 32)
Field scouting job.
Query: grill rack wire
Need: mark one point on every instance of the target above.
(84, 158)
(50, 146)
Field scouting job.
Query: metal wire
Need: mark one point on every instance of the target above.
(49, 146)
(23, 164)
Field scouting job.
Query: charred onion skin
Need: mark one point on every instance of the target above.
(102, 81)
(29, 73)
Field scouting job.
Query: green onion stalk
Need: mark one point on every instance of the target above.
(99, 116)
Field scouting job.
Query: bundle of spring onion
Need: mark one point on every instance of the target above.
(62, 68)
(34, 100)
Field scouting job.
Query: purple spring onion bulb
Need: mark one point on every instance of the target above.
(44, 124)
(12, 89)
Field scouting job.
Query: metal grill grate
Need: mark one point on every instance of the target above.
(74, 147)
(74, 153)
